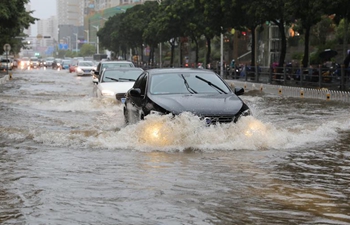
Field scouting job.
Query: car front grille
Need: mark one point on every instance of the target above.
(218, 119)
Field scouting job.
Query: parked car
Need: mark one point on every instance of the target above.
(84, 68)
(176, 90)
(115, 82)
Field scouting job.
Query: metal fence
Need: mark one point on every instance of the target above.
(335, 78)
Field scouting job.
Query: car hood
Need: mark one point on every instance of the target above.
(116, 87)
(200, 104)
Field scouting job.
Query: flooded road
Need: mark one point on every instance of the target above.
(67, 158)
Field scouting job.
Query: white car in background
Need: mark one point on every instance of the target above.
(84, 68)
(115, 82)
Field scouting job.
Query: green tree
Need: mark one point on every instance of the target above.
(341, 10)
(13, 20)
(309, 12)
(87, 50)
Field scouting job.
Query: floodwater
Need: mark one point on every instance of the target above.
(67, 158)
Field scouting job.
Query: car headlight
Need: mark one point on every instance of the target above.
(246, 112)
(107, 93)
(78, 69)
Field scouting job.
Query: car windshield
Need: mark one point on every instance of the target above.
(86, 64)
(120, 75)
(187, 82)
(66, 62)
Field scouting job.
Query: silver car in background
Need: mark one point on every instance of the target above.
(85, 68)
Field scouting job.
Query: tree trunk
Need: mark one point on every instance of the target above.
(345, 37)
(141, 53)
(306, 47)
(181, 54)
(252, 60)
(207, 58)
(197, 50)
(283, 44)
(172, 54)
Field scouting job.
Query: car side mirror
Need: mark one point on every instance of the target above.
(96, 73)
(135, 92)
(239, 91)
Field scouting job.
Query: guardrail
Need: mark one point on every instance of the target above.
(291, 91)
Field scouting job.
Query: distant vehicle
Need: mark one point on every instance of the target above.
(99, 57)
(110, 64)
(73, 65)
(42, 63)
(57, 64)
(49, 61)
(85, 68)
(6, 64)
(174, 91)
(24, 63)
(115, 82)
(34, 62)
(66, 63)
(79, 58)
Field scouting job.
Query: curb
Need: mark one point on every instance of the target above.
(4, 79)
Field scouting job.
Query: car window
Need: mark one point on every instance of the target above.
(120, 75)
(116, 65)
(85, 64)
(175, 83)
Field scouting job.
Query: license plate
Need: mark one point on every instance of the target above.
(123, 100)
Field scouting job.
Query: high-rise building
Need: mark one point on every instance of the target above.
(28, 31)
(48, 27)
(70, 12)
(70, 16)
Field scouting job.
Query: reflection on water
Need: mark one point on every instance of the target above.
(67, 158)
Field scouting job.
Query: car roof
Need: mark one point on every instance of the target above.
(123, 68)
(178, 70)
(119, 61)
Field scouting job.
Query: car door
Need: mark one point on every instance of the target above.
(135, 104)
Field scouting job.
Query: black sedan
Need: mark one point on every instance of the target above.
(177, 90)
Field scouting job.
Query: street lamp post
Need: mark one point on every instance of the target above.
(76, 42)
(97, 39)
(69, 42)
(87, 36)
(160, 44)
(222, 55)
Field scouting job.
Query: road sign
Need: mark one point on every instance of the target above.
(7, 47)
